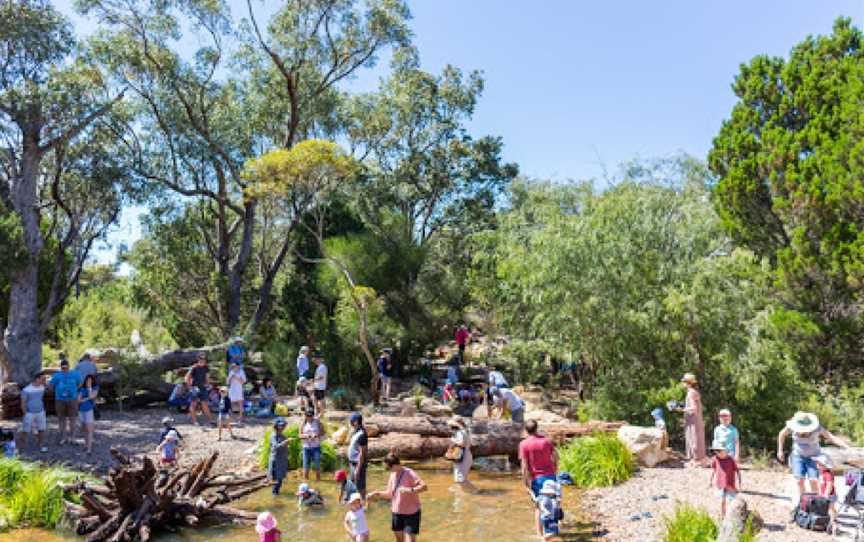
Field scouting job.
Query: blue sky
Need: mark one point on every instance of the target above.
(574, 86)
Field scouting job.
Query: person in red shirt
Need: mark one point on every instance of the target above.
(725, 472)
(539, 463)
(462, 338)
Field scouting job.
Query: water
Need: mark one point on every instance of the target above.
(501, 511)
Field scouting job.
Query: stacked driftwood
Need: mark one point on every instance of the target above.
(422, 437)
(137, 498)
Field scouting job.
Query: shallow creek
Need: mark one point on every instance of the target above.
(500, 511)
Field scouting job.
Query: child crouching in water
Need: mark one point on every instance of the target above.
(355, 520)
(306, 496)
(549, 503)
(266, 528)
(724, 473)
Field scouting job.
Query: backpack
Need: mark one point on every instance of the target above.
(855, 483)
(812, 512)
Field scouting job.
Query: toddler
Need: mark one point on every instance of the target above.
(725, 472)
(548, 501)
(355, 520)
(169, 451)
(306, 496)
(266, 528)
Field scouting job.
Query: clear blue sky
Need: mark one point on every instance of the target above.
(573, 86)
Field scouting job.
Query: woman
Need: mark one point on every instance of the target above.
(694, 425)
(402, 491)
(806, 433)
(277, 466)
(86, 405)
(311, 433)
(462, 439)
(267, 395)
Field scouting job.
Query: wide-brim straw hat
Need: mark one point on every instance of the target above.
(689, 378)
(803, 422)
(266, 522)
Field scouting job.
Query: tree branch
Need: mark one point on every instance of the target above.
(81, 125)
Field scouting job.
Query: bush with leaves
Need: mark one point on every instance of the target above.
(329, 459)
(597, 461)
(689, 524)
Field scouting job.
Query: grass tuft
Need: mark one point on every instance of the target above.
(329, 461)
(30, 494)
(689, 524)
(597, 461)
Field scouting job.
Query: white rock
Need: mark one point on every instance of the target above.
(646, 444)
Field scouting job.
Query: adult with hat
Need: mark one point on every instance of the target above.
(65, 384)
(358, 452)
(265, 526)
(319, 383)
(694, 425)
(236, 352)
(461, 440)
(385, 372)
(311, 433)
(277, 465)
(303, 362)
(806, 432)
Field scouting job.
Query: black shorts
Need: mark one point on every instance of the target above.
(319, 394)
(409, 523)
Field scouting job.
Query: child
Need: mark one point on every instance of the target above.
(724, 471)
(449, 393)
(355, 520)
(306, 496)
(167, 427)
(827, 489)
(550, 508)
(346, 486)
(728, 435)
(660, 423)
(302, 390)
(169, 450)
(10, 451)
(266, 528)
(224, 418)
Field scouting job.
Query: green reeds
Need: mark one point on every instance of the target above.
(596, 461)
(30, 495)
(689, 524)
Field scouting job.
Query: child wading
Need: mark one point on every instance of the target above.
(724, 473)
(306, 496)
(549, 504)
(266, 528)
(355, 520)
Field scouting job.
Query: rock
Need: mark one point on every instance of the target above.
(646, 444)
(340, 436)
(736, 519)
(495, 463)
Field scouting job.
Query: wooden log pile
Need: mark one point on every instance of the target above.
(137, 499)
(422, 437)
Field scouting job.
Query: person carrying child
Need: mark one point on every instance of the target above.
(355, 520)
(549, 504)
(307, 497)
(265, 526)
(724, 475)
(224, 413)
(169, 450)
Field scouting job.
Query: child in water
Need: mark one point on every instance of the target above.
(355, 520)
(550, 509)
(306, 496)
(266, 528)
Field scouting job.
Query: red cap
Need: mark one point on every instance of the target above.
(340, 475)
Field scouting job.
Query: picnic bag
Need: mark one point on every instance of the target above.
(812, 512)
(454, 453)
(855, 483)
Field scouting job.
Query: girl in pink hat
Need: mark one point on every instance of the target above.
(266, 528)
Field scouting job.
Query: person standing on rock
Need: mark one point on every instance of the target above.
(65, 385)
(198, 378)
(539, 463)
(277, 464)
(358, 452)
(806, 436)
(303, 363)
(462, 337)
(319, 383)
(462, 439)
(402, 491)
(694, 426)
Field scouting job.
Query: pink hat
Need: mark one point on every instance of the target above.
(266, 523)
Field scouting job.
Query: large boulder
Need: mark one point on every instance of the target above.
(646, 444)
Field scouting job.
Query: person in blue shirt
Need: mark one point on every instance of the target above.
(86, 407)
(728, 435)
(236, 353)
(65, 384)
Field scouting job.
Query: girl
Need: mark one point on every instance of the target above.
(266, 528)
(169, 450)
(311, 433)
(355, 520)
(86, 405)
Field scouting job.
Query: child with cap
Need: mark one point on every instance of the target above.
(167, 427)
(346, 486)
(548, 501)
(728, 434)
(306, 496)
(724, 473)
(355, 519)
(169, 451)
(265, 526)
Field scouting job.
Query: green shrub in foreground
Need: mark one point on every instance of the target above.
(689, 524)
(597, 461)
(329, 461)
(30, 495)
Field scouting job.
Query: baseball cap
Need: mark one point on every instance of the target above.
(355, 417)
(340, 475)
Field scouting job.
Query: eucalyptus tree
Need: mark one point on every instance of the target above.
(61, 177)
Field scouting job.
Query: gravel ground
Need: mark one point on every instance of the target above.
(768, 492)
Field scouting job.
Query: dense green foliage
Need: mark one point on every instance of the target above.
(30, 495)
(689, 524)
(596, 461)
(329, 459)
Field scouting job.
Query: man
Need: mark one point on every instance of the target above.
(303, 362)
(33, 407)
(385, 370)
(236, 353)
(198, 378)
(495, 379)
(462, 338)
(358, 453)
(65, 384)
(507, 400)
(319, 383)
(539, 463)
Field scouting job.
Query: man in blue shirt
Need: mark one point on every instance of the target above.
(236, 352)
(65, 384)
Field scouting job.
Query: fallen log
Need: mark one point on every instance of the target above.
(429, 426)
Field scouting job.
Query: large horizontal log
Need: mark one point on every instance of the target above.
(437, 427)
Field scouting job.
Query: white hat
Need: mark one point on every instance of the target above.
(172, 435)
(689, 377)
(724, 412)
(803, 422)
(823, 460)
(167, 419)
(355, 497)
(302, 488)
(550, 487)
(304, 349)
(238, 339)
(719, 445)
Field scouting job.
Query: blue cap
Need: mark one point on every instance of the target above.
(657, 413)
(279, 421)
(355, 417)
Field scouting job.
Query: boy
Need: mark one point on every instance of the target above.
(306, 496)
(660, 423)
(728, 435)
(550, 508)
(355, 520)
(827, 489)
(33, 407)
(724, 471)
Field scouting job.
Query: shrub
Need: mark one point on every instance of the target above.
(30, 495)
(689, 524)
(597, 461)
(345, 398)
(329, 460)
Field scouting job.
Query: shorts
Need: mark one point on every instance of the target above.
(87, 417)
(312, 456)
(360, 477)
(386, 379)
(550, 527)
(518, 416)
(319, 395)
(203, 395)
(537, 484)
(237, 407)
(406, 523)
(66, 409)
(223, 417)
(728, 494)
(803, 467)
(34, 422)
(166, 461)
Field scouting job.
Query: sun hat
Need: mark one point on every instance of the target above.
(279, 421)
(355, 417)
(550, 487)
(724, 412)
(823, 460)
(302, 489)
(340, 475)
(238, 339)
(355, 497)
(803, 422)
(689, 377)
(304, 349)
(167, 419)
(657, 413)
(266, 523)
(172, 435)
(718, 445)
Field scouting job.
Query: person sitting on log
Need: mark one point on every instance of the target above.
(169, 450)
(266, 398)
(307, 497)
